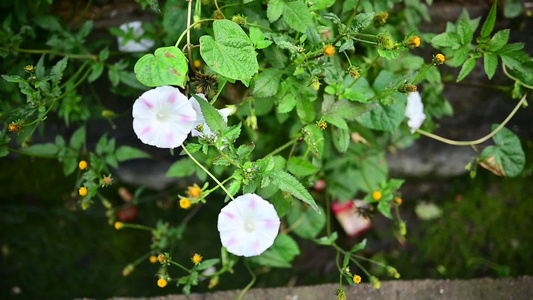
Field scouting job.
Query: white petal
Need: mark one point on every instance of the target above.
(132, 46)
(414, 111)
(163, 117)
(255, 212)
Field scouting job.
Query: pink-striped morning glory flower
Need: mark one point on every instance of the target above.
(163, 117)
(248, 225)
(200, 120)
(414, 111)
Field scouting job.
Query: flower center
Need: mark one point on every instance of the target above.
(161, 115)
(249, 225)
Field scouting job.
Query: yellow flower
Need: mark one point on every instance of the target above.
(194, 191)
(196, 259)
(398, 200)
(162, 282)
(82, 165)
(357, 279)
(29, 68)
(14, 127)
(83, 191)
(413, 42)
(197, 63)
(185, 203)
(328, 50)
(322, 125)
(439, 59)
(153, 259)
(119, 225)
(376, 195)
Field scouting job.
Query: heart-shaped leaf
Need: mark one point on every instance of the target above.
(230, 53)
(167, 67)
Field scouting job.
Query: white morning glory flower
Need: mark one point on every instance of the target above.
(163, 117)
(414, 111)
(133, 46)
(248, 225)
(200, 120)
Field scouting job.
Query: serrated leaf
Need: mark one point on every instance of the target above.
(297, 16)
(506, 158)
(57, 70)
(124, 153)
(96, 71)
(362, 20)
(267, 83)
(384, 208)
(490, 64)
(275, 10)
(181, 168)
(305, 110)
(13, 78)
(327, 240)
(167, 66)
(78, 138)
(358, 247)
(488, 26)
(466, 33)
(499, 40)
(460, 55)
(44, 149)
(468, 66)
(230, 53)
(212, 117)
(299, 167)
(341, 139)
(337, 121)
(291, 185)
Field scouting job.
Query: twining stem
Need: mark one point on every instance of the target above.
(251, 282)
(218, 8)
(281, 148)
(189, 28)
(208, 173)
(47, 51)
(478, 141)
(515, 79)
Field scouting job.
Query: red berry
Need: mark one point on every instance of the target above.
(128, 214)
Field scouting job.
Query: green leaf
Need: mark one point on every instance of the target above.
(320, 4)
(466, 33)
(275, 10)
(488, 26)
(281, 203)
(230, 53)
(168, 66)
(507, 157)
(181, 168)
(206, 264)
(69, 166)
(287, 103)
(13, 78)
(491, 64)
(499, 40)
(358, 247)
(78, 138)
(291, 185)
(384, 208)
(307, 224)
(45, 149)
(460, 55)
(256, 35)
(279, 255)
(337, 121)
(341, 139)
(300, 167)
(297, 16)
(362, 20)
(267, 83)
(512, 8)
(57, 70)
(305, 110)
(174, 17)
(327, 240)
(468, 66)
(124, 153)
(263, 44)
(446, 40)
(97, 70)
(212, 117)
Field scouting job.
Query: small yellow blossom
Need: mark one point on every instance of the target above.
(328, 50)
(153, 259)
(194, 191)
(413, 42)
(196, 259)
(197, 63)
(83, 191)
(162, 282)
(376, 195)
(322, 125)
(14, 127)
(82, 165)
(185, 203)
(439, 59)
(29, 68)
(357, 279)
(119, 225)
(398, 200)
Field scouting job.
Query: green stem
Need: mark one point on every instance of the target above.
(217, 186)
(137, 226)
(47, 51)
(206, 171)
(515, 79)
(339, 249)
(364, 72)
(179, 265)
(227, 158)
(251, 282)
(424, 70)
(364, 41)
(189, 28)
(478, 141)
(281, 148)
(140, 259)
(75, 75)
